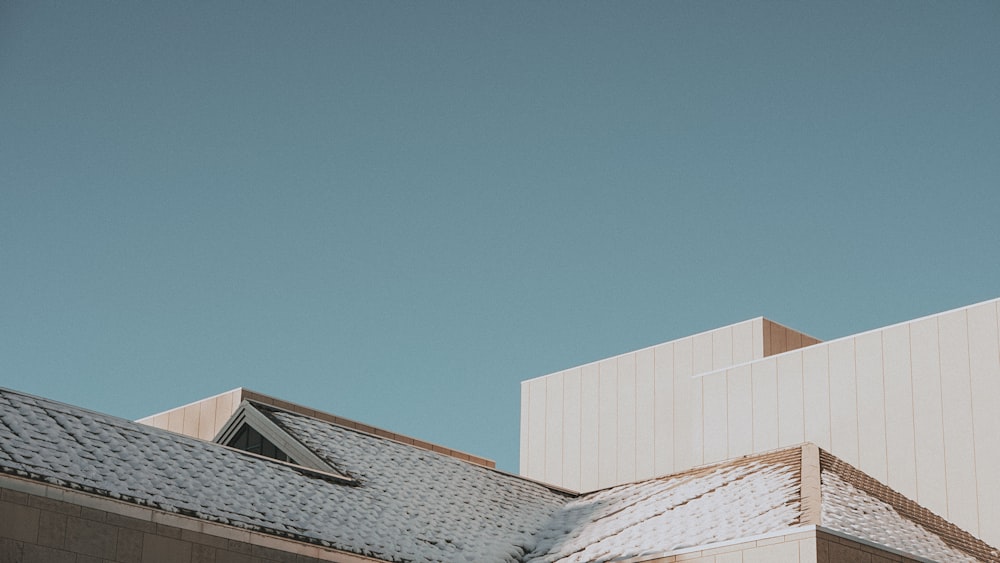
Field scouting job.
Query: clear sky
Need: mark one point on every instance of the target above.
(396, 212)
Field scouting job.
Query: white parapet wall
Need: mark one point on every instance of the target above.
(632, 416)
(913, 405)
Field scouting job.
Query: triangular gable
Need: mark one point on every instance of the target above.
(269, 440)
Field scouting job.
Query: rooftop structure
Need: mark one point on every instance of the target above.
(246, 477)
(912, 405)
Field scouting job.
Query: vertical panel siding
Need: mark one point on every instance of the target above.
(607, 464)
(791, 426)
(764, 379)
(742, 343)
(525, 431)
(740, 415)
(984, 364)
(715, 417)
(536, 428)
(844, 401)
(816, 394)
(645, 408)
(626, 419)
(956, 402)
(871, 405)
(757, 325)
(553, 428)
(722, 348)
(590, 389)
(900, 445)
(684, 411)
(928, 422)
(571, 428)
(663, 435)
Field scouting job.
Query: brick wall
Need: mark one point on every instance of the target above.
(82, 528)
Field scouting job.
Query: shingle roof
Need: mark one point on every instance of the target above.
(710, 505)
(407, 503)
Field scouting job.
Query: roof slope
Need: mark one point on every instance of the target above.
(410, 504)
(407, 503)
(723, 502)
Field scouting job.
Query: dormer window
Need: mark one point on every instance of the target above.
(248, 439)
(251, 430)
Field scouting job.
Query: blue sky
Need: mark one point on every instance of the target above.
(398, 211)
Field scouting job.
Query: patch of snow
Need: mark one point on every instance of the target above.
(854, 512)
(667, 514)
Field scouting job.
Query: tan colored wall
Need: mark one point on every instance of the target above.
(779, 338)
(836, 549)
(203, 419)
(36, 527)
(798, 547)
(813, 546)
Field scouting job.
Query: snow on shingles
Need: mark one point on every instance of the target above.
(672, 513)
(854, 512)
(410, 504)
(444, 508)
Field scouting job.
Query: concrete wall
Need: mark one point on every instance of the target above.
(637, 415)
(44, 524)
(913, 405)
(203, 419)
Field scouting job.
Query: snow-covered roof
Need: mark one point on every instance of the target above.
(712, 505)
(407, 503)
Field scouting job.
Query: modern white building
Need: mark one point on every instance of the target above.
(913, 405)
(752, 443)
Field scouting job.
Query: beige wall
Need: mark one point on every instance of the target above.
(203, 419)
(812, 546)
(796, 547)
(913, 405)
(40, 523)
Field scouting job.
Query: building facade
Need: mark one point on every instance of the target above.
(910, 404)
